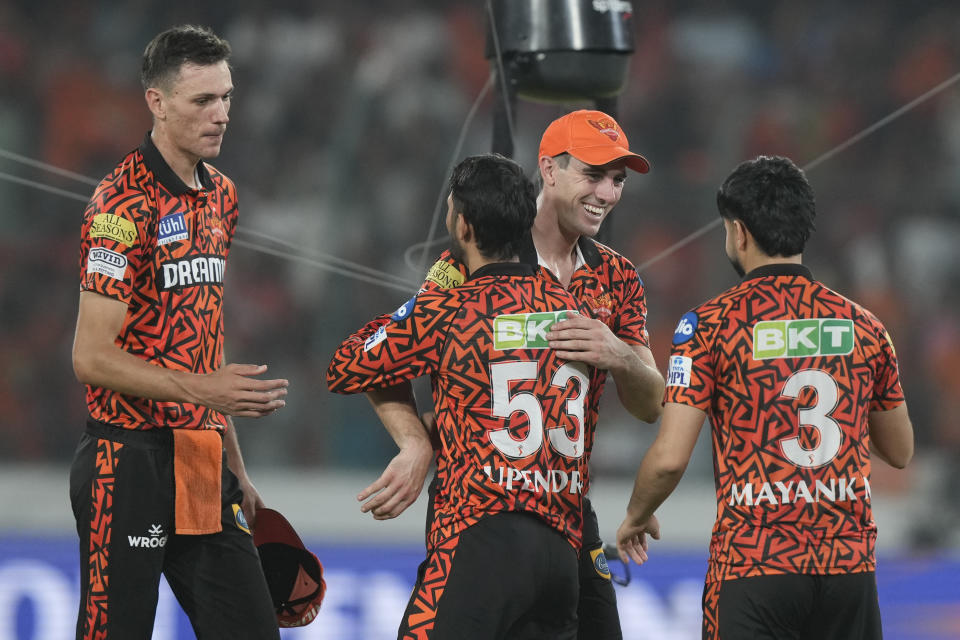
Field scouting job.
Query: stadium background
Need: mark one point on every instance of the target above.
(345, 119)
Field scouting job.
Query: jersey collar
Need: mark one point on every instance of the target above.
(588, 249)
(502, 269)
(165, 175)
(780, 269)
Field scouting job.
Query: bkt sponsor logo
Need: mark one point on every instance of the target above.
(535, 481)
(189, 272)
(154, 540)
(525, 330)
(802, 338)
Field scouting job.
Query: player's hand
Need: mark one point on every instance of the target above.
(632, 539)
(401, 482)
(251, 501)
(588, 340)
(234, 390)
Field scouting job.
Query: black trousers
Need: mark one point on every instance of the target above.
(510, 576)
(122, 494)
(597, 609)
(799, 607)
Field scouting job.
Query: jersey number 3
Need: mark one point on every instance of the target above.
(816, 417)
(504, 405)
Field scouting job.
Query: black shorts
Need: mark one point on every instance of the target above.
(508, 576)
(122, 491)
(597, 609)
(794, 607)
(597, 605)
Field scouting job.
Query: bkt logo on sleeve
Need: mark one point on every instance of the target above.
(172, 228)
(686, 328)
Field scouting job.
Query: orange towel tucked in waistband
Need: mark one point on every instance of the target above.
(197, 460)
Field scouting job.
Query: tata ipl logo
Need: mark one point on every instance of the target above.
(525, 330)
(802, 338)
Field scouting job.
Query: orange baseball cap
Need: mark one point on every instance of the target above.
(592, 137)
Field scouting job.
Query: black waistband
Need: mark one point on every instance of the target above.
(148, 439)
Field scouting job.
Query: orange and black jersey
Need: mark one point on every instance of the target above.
(161, 247)
(509, 412)
(787, 371)
(607, 287)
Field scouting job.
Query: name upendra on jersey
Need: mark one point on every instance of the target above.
(535, 481)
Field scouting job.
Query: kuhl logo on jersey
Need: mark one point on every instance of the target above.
(173, 228)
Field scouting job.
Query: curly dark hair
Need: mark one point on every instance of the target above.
(770, 195)
(498, 200)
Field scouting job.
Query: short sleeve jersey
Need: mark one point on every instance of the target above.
(787, 371)
(150, 241)
(607, 287)
(509, 412)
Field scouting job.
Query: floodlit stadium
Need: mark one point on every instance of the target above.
(346, 121)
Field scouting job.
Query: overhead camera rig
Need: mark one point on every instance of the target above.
(556, 51)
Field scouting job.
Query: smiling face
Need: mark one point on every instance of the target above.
(584, 194)
(191, 115)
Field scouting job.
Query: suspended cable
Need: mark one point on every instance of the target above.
(873, 128)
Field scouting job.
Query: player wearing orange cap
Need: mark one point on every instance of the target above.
(583, 161)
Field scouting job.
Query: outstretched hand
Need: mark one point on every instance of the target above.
(632, 539)
(234, 390)
(401, 482)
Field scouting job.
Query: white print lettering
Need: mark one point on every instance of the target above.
(833, 490)
(193, 271)
(155, 540)
(553, 481)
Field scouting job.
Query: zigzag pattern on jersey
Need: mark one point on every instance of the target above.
(611, 292)
(448, 335)
(175, 325)
(781, 531)
(96, 605)
(421, 612)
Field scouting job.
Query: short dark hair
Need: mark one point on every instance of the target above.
(171, 49)
(770, 195)
(562, 160)
(497, 199)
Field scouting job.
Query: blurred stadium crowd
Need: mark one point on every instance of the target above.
(345, 119)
